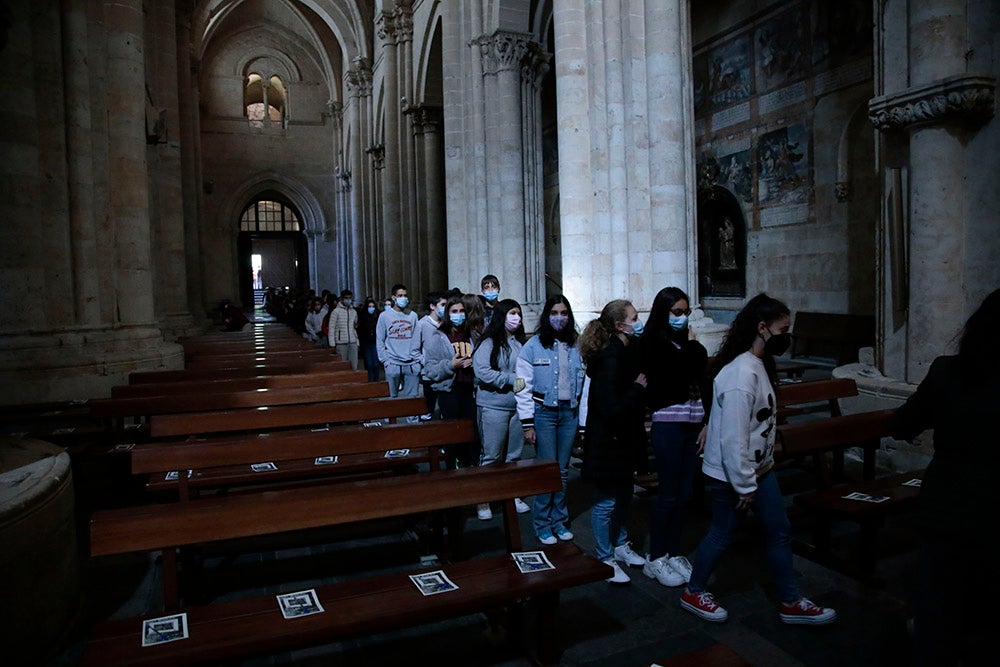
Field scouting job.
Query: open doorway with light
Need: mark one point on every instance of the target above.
(272, 249)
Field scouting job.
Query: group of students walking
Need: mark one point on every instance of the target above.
(597, 388)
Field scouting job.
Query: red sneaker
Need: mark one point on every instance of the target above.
(703, 605)
(804, 612)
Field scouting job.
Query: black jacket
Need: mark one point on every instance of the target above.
(615, 430)
(674, 375)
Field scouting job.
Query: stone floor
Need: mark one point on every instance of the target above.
(599, 624)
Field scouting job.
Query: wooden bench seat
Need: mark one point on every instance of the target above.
(813, 396)
(200, 402)
(216, 386)
(830, 505)
(225, 461)
(817, 437)
(235, 360)
(255, 626)
(284, 416)
(248, 627)
(251, 370)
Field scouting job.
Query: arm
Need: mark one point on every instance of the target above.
(735, 411)
(525, 405)
(380, 331)
(917, 414)
(438, 358)
(484, 372)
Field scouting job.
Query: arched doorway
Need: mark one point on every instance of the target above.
(722, 244)
(272, 248)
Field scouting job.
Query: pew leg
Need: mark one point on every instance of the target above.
(868, 548)
(548, 645)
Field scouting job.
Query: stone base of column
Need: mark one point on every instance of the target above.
(182, 325)
(79, 363)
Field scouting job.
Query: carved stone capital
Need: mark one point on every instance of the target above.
(842, 191)
(424, 119)
(535, 64)
(377, 153)
(385, 27)
(503, 51)
(404, 24)
(958, 100)
(359, 78)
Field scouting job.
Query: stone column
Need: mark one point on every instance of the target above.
(171, 275)
(128, 195)
(625, 190)
(392, 250)
(362, 228)
(79, 162)
(413, 243)
(430, 197)
(941, 110)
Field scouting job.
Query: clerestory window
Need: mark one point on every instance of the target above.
(264, 102)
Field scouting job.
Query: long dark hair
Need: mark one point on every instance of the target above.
(743, 332)
(658, 330)
(497, 330)
(546, 334)
(977, 354)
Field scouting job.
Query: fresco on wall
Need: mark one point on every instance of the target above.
(736, 175)
(783, 166)
(781, 54)
(699, 77)
(841, 31)
(728, 74)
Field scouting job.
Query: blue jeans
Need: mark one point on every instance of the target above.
(769, 506)
(370, 354)
(555, 430)
(609, 516)
(500, 434)
(675, 445)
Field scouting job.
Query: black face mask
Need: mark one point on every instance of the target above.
(777, 344)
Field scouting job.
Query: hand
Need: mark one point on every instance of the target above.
(641, 379)
(702, 436)
(529, 435)
(691, 334)
(746, 499)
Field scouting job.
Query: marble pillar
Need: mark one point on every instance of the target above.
(392, 248)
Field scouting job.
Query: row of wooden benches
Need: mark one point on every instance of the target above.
(274, 450)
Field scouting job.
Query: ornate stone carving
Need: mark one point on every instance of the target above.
(503, 51)
(958, 100)
(335, 112)
(359, 78)
(424, 118)
(385, 27)
(842, 191)
(343, 177)
(536, 65)
(377, 153)
(404, 24)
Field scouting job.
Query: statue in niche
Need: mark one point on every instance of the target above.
(727, 245)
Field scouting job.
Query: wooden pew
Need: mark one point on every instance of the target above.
(830, 505)
(254, 626)
(817, 437)
(225, 461)
(252, 358)
(147, 406)
(283, 416)
(802, 397)
(237, 384)
(253, 370)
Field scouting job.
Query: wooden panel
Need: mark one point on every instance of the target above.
(216, 386)
(244, 371)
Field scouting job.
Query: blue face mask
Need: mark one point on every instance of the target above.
(458, 319)
(440, 312)
(371, 310)
(402, 302)
(491, 295)
(678, 323)
(387, 307)
(637, 328)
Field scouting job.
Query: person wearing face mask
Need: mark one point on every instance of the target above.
(448, 366)
(674, 363)
(395, 334)
(549, 407)
(490, 286)
(367, 320)
(614, 418)
(426, 326)
(344, 328)
(494, 363)
(739, 461)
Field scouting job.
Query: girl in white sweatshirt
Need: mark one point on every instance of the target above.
(739, 457)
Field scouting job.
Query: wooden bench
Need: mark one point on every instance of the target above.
(251, 358)
(254, 626)
(284, 416)
(830, 505)
(833, 336)
(215, 386)
(252, 370)
(813, 396)
(147, 406)
(818, 437)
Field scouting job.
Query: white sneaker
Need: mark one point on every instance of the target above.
(484, 512)
(625, 554)
(681, 566)
(619, 576)
(521, 506)
(659, 569)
